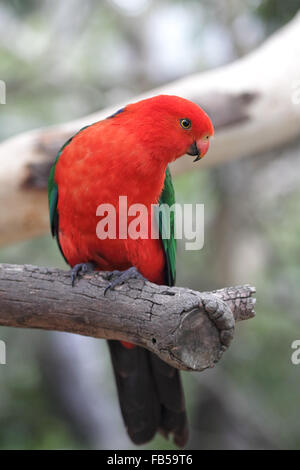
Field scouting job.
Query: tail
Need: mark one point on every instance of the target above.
(150, 394)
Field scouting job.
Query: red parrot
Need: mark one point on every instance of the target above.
(127, 154)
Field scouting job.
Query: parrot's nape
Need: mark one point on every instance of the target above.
(128, 154)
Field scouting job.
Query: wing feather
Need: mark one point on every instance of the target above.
(167, 228)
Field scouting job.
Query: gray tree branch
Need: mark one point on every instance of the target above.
(189, 330)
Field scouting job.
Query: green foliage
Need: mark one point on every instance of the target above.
(277, 12)
(21, 7)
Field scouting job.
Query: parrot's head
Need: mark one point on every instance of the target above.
(170, 126)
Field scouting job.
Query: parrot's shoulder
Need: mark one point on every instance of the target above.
(121, 110)
(52, 185)
(53, 190)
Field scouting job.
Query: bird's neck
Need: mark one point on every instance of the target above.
(146, 180)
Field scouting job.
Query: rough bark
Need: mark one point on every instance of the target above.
(254, 106)
(188, 329)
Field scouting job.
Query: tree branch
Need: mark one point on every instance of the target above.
(187, 329)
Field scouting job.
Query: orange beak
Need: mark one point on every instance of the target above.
(203, 146)
(199, 148)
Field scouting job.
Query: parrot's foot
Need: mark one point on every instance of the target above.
(80, 270)
(117, 278)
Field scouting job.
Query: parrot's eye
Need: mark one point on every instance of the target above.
(185, 123)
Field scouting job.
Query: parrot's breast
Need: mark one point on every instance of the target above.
(91, 175)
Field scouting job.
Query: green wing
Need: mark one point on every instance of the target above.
(166, 231)
(53, 194)
(53, 198)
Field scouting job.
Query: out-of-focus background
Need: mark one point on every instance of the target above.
(63, 60)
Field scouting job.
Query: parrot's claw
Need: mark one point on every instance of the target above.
(80, 270)
(119, 277)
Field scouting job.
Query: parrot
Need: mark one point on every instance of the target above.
(128, 154)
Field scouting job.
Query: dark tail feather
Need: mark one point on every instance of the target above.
(171, 397)
(136, 389)
(150, 394)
